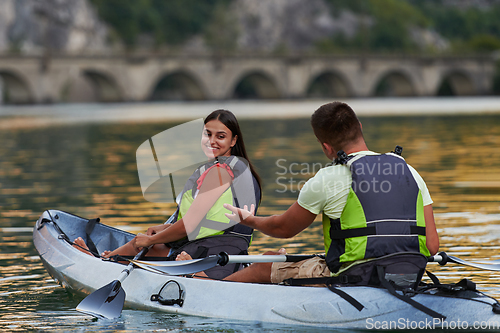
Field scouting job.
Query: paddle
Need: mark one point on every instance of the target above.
(197, 265)
(442, 258)
(107, 302)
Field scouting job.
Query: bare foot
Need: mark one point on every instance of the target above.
(185, 256)
(80, 245)
(282, 251)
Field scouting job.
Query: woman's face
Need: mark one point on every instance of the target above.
(217, 139)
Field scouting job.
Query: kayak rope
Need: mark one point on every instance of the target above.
(452, 289)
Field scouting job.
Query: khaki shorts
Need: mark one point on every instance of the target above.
(314, 267)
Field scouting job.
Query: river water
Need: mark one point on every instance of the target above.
(88, 168)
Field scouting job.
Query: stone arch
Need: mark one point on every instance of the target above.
(256, 85)
(328, 84)
(394, 84)
(14, 88)
(91, 85)
(456, 83)
(178, 85)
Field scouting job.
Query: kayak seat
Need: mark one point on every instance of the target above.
(104, 237)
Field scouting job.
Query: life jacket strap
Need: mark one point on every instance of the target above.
(88, 230)
(405, 298)
(346, 296)
(326, 280)
(370, 231)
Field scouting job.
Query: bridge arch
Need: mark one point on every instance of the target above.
(255, 85)
(328, 84)
(456, 83)
(394, 83)
(178, 85)
(91, 85)
(105, 86)
(14, 88)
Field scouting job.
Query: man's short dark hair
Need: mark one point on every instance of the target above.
(336, 124)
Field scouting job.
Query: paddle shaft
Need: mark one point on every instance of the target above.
(126, 272)
(196, 265)
(247, 259)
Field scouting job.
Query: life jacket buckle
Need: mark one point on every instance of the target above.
(344, 279)
(398, 150)
(341, 157)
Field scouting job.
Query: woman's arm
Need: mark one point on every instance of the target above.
(214, 185)
(174, 232)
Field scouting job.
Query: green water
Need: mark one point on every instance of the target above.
(90, 170)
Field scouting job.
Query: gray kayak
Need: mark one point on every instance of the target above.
(280, 304)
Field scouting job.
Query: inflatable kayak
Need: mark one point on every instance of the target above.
(280, 304)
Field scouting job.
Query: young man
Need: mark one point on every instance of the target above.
(373, 205)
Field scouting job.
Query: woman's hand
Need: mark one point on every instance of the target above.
(142, 240)
(238, 214)
(157, 229)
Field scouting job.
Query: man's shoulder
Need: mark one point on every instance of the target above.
(332, 173)
(333, 170)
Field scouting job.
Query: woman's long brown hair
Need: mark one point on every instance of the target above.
(229, 120)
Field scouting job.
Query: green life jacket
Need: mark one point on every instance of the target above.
(244, 190)
(384, 212)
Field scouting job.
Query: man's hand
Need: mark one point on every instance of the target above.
(238, 215)
(156, 229)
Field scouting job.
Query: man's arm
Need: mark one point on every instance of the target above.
(431, 235)
(286, 225)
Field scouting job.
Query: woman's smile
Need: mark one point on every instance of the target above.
(217, 140)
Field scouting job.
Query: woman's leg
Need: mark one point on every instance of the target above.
(129, 249)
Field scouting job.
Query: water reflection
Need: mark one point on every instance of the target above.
(90, 170)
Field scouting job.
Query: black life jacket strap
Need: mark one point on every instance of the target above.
(342, 279)
(88, 230)
(387, 285)
(346, 296)
(369, 231)
(330, 281)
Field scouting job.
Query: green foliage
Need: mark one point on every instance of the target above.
(169, 21)
(392, 20)
(484, 43)
(457, 23)
(496, 80)
(384, 25)
(221, 32)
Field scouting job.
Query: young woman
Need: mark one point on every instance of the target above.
(227, 177)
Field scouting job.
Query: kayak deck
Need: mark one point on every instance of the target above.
(311, 306)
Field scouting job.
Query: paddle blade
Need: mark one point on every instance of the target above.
(106, 302)
(488, 267)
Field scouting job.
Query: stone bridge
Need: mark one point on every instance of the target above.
(30, 79)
